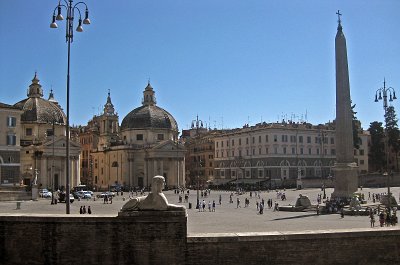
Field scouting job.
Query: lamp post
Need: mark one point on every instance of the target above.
(382, 94)
(70, 8)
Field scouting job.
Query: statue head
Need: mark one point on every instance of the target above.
(158, 184)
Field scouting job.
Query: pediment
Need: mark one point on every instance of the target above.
(169, 146)
(60, 142)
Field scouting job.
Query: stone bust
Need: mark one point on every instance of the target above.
(155, 201)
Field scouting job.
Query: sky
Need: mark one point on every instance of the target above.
(231, 62)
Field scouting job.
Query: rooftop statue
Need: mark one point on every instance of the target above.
(155, 201)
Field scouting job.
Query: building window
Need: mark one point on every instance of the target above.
(222, 153)
(293, 151)
(233, 142)
(361, 162)
(139, 137)
(254, 140)
(240, 141)
(317, 151)
(160, 137)
(259, 138)
(284, 150)
(332, 140)
(28, 131)
(266, 150)
(49, 132)
(292, 138)
(233, 153)
(254, 151)
(284, 138)
(309, 151)
(222, 143)
(11, 121)
(247, 152)
(227, 143)
(275, 150)
(266, 138)
(247, 140)
(300, 139)
(275, 138)
(216, 154)
(361, 152)
(11, 139)
(309, 139)
(259, 151)
(301, 150)
(240, 152)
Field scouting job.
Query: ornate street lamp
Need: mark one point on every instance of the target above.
(382, 94)
(70, 8)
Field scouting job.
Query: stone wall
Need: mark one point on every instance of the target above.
(161, 238)
(14, 193)
(369, 246)
(147, 239)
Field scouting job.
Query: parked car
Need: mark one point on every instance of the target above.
(62, 195)
(107, 193)
(44, 193)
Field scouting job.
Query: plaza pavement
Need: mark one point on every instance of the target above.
(227, 218)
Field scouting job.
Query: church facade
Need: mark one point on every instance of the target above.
(144, 145)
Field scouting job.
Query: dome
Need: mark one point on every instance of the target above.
(149, 115)
(37, 109)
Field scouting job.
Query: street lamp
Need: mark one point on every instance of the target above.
(382, 94)
(70, 8)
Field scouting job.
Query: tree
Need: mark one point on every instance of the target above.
(356, 128)
(393, 132)
(376, 155)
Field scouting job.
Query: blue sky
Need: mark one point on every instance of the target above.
(231, 62)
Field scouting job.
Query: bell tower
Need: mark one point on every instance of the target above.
(109, 128)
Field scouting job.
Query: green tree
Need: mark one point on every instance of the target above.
(356, 128)
(376, 155)
(392, 132)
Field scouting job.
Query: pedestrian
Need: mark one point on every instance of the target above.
(111, 198)
(372, 219)
(204, 205)
(257, 205)
(81, 210)
(213, 206)
(220, 199)
(237, 203)
(89, 210)
(209, 206)
(318, 209)
(261, 208)
(84, 209)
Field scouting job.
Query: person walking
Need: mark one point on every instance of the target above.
(81, 210)
(372, 219)
(237, 203)
(213, 206)
(89, 210)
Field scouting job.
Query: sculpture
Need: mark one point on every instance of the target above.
(155, 201)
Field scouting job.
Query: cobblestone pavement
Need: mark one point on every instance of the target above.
(227, 218)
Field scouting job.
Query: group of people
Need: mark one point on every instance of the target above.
(82, 210)
(202, 206)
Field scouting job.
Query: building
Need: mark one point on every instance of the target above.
(43, 141)
(10, 118)
(146, 144)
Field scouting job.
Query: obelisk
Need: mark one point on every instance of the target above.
(345, 169)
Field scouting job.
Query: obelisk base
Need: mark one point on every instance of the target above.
(346, 180)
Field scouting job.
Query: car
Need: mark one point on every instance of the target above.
(44, 193)
(107, 193)
(61, 197)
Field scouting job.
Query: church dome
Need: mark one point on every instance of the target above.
(39, 110)
(149, 115)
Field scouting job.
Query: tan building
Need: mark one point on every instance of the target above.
(361, 154)
(10, 118)
(146, 144)
(43, 141)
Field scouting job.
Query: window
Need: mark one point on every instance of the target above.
(301, 150)
(222, 153)
(259, 138)
(275, 138)
(284, 150)
(49, 132)
(260, 173)
(253, 140)
(240, 152)
(217, 144)
(293, 151)
(333, 152)
(240, 141)
(317, 151)
(275, 150)
(233, 153)
(332, 140)
(309, 139)
(247, 152)
(309, 151)
(160, 137)
(259, 151)
(11, 121)
(361, 162)
(266, 138)
(139, 137)
(254, 151)
(222, 143)
(11, 139)
(292, 138)
(233, 142)
(227, 143)
(266, 150)
(28, 131)
(247, 140)
(361, 152)
(300, 139)
(284, 138)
